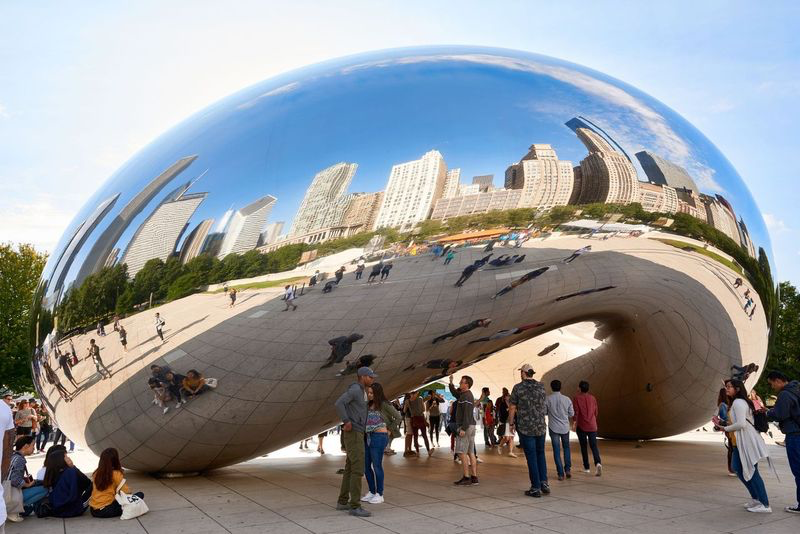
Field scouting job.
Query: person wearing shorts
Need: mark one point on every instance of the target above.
(465, 431)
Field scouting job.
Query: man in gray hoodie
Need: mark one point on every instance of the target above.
(352, 410)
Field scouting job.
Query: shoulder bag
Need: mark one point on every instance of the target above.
(132, 505)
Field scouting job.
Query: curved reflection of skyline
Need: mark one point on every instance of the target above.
(480, 109)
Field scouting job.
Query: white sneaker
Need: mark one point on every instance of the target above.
(458, 460)
(598, 470)
(165, 410)
(376, 499)
(15, 518)
(760, 509)
(587, 471)
(368, 497)
(178, 405)
(479, 460)
(751, 503)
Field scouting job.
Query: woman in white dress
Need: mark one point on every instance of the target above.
(748, 446)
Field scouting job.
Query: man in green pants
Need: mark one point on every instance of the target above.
(352, 410)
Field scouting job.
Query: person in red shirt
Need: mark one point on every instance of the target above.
(585, 426)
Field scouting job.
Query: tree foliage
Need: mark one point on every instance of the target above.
(20, 270)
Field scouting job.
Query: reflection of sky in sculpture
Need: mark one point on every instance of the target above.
(481, 108)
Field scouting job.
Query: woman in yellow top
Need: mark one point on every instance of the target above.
(194, 384)
(104, 486)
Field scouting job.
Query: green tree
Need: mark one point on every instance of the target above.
(183, 286)
(147, 281)
(20, 270)
(784, 353)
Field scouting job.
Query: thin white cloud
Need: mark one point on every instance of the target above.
(283, 89)
(774, 224)
(40, 222)
(4, 114)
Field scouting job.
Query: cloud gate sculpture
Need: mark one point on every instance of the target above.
(488, 207)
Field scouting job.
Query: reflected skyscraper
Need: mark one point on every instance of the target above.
(158, 235)
(193, 245)
(78, 239)
(322, 204)
(413, 188)
(545, 181)
(271, 233)
(452, 184)
(658, 198)
(485, 182)
(607, 175)
(661, 171)
(104, 244)
(245, 226)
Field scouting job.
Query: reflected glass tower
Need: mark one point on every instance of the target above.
(245, 225)
(323, 204)
(412, 190)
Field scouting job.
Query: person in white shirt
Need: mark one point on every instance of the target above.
(560, 414)
(159, 322)
(289, 297)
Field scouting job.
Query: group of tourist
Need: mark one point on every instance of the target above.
(32, 418)
(168, 386)
(370, 422)
(743, 417)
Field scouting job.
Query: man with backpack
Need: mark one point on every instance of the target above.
(787, 413)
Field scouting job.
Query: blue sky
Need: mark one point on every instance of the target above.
(83, 88)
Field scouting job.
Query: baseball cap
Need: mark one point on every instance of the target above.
(527, 369)
(366, 371)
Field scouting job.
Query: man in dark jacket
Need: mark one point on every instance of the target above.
(352, 410)
(787, 413)
(463, 329)
(466, 273)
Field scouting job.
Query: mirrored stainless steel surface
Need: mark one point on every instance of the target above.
(625, 250)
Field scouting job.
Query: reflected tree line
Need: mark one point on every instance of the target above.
(110, 291)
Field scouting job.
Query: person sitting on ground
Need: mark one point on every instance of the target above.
(174, 383)
(313, 280)
(69, 488)
(500, 260)
(161, 394)
(193, 384)
(41, 472)
(18, 476)
(105, 481)
(520, 259)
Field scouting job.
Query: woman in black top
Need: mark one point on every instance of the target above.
(434, 415)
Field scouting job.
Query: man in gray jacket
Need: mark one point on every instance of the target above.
(465, 433)
(352, 410)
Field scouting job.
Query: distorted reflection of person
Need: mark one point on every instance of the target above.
(314, 278)
(64, 363)
(159, 323)
(174, 382)
(94, 353)
(521, 280)
(501, 261)
(477, 323)
(360, 266)
(232, 296)
(385, 271)
(584, 292)
(193, 384)
(161, 394)
(507, 332)
(448, 257)
(123, 338)
(340, 347)
(351, 367)
(329, 286)
(574, 255)
(468, 271)
(376, 270)
(339, 274)
(743, 372)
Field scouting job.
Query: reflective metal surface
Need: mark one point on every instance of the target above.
(628, 232)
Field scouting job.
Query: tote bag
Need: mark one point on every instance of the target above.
(132, 506)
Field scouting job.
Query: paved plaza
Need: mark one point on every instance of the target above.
(665, 486)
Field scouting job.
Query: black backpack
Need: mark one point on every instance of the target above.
(760, 421)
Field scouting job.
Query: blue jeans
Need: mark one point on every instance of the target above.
(560, 441)
(793, 454)
(373, 459)
(755, 486)
(592, 438)
(33, 495)
(534, 454)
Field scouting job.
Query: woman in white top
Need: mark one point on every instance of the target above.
(748, 447)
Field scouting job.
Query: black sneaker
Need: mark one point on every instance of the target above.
(474, 481)
(463, 481)
(545, 488)
(793, 509)
(533, 493)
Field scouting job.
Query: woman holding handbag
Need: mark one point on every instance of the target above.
(382, 426)
(105, 481)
